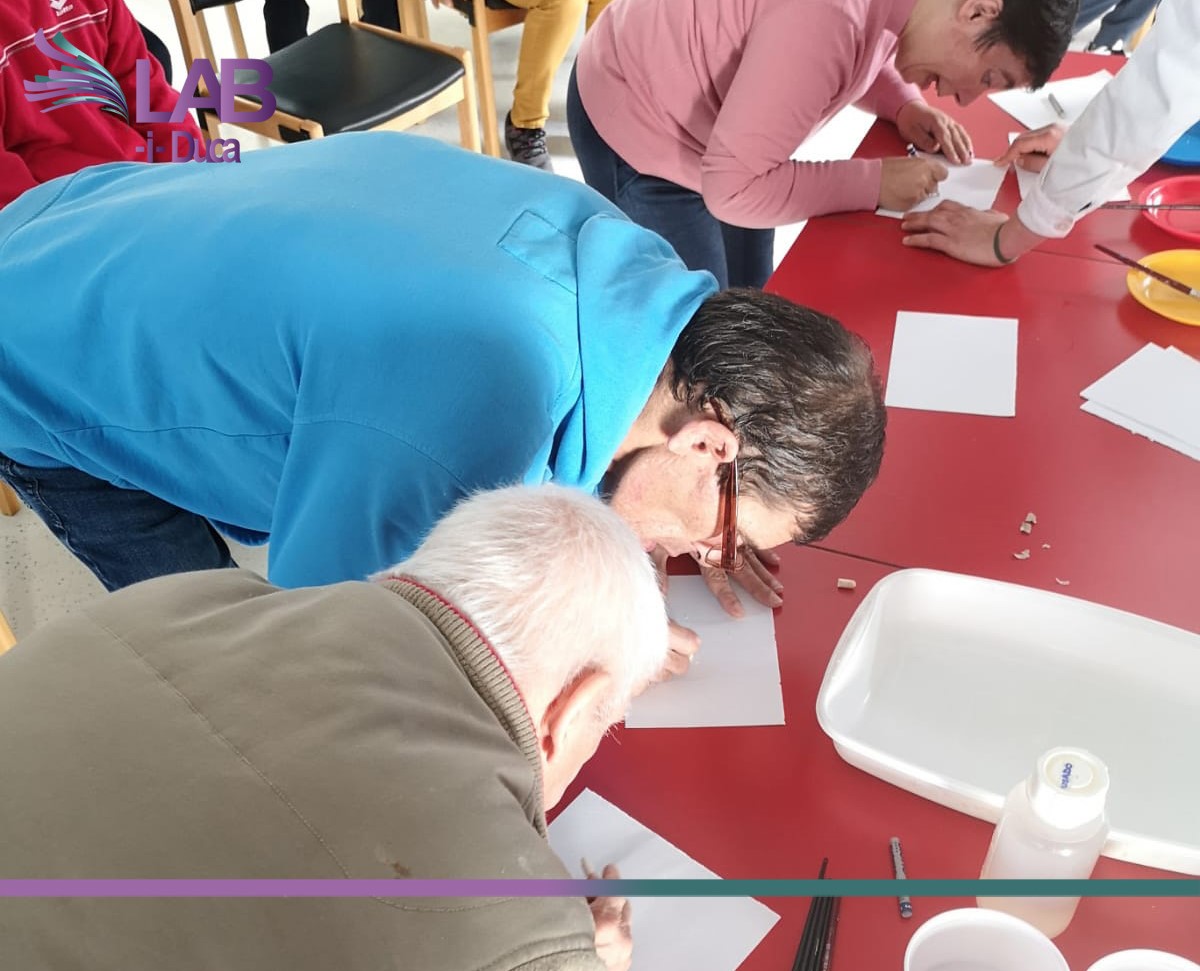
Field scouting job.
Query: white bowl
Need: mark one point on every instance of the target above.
(976, 939)
(1142, 960)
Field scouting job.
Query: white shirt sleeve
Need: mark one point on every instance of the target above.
(1153, 100)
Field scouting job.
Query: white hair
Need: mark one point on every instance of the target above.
(556, 582)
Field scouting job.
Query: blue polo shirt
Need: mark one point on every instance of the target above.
(329, 344)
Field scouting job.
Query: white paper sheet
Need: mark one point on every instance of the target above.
(734, 678)
(1026, 180)
(1131, 425)
(951, 362)
(974, 184)
(1033, 109)
(669, 933)
(1155, 393)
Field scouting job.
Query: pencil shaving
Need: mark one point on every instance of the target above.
(1023, 555)
(1045, 546)
(1031, 518)
(1062, 583)
(846, 584)
(1026, 528)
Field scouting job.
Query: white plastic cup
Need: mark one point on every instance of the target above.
(974, 939)
(1142, 960)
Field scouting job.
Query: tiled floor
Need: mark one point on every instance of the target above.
(39, 579)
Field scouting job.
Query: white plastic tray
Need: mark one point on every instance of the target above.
(951, 686)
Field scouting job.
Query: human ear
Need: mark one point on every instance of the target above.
(705, 437)
(980, 10)
(568, 723)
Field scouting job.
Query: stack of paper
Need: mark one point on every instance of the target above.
(1026, 180)
(669, 933)
(734, 678)
(974, 184)
(954, 362)
(1033, 109)
(1155, 393)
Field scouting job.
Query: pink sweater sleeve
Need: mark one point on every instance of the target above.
(888, 93)
(797, 62)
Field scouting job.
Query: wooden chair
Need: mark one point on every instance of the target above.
(10, 505)
(486, 17)
(7, 638)
(1142, 31)
(348, 76)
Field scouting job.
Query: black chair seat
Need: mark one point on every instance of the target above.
(351, 79)
(466, 8)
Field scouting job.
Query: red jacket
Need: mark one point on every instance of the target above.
(37, 146)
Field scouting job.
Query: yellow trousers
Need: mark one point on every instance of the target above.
(549, 28)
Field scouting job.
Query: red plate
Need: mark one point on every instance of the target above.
(1184, 223)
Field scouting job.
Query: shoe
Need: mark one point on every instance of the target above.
(1117, 48)
(527, 145)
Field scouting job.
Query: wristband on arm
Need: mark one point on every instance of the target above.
(1001, 258)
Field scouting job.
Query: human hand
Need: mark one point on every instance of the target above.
(611, 915)
(1032, 149)
(907, 181)
(684, 643)
(754, 578)
(954, 229)
(932, 130)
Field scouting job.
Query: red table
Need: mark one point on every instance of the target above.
(1117, 511)
(766, 803)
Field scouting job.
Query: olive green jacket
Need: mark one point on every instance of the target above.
(209, 725)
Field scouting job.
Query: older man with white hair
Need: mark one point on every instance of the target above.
(210, 725)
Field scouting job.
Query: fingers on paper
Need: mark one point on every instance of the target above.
(956, 143)
(1030, 149)
(684, 643)
(613, 919)
(719, 584)
(759, 582)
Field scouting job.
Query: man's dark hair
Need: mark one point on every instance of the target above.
(1037, 31)
(801, 393)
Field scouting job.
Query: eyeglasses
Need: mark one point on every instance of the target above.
(729, 556)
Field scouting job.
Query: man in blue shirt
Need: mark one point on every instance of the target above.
(328, 345)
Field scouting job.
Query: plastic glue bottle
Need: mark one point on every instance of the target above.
(1052, 827)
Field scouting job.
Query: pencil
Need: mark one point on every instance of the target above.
(1165, 206)
(1054, 103)
(906, 910)
(809, 935)
(1153, 274)
(827, 957)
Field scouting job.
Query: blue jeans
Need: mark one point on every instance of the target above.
(1120, 22)
(121, 535)
(736, 257)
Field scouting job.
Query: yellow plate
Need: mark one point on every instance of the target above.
(1184, 266)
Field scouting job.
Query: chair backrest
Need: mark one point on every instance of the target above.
(10, 505)
(193, 30)
(7, 638)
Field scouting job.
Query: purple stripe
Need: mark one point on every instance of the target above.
(309, 888)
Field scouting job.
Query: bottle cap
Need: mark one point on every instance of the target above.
(1068, 788)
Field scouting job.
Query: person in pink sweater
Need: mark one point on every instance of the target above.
(685, 113)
